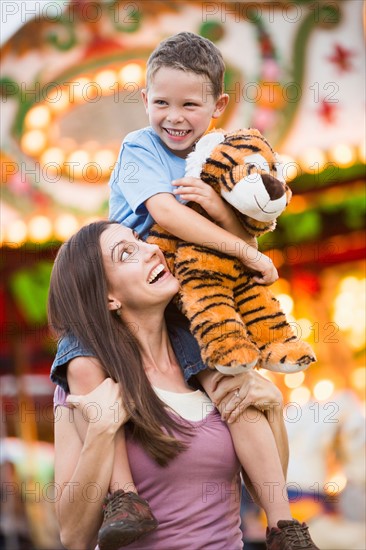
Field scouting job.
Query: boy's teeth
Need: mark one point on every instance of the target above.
(177, 132)
(155, 273)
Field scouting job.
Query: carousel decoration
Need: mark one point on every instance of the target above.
(70, 91)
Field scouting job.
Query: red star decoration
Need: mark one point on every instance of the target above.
(327, 111)
(342, 58)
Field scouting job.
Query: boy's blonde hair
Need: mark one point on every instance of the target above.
(187, 51)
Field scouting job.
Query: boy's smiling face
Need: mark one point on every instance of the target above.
(180, 107)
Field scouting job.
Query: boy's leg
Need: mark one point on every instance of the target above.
(288, 533)
(256, 448)
(127, 516)
(257, 452)
(84, 375)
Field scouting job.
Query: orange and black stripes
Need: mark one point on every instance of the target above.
(235, 320)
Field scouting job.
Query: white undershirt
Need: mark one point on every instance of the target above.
(194, 406)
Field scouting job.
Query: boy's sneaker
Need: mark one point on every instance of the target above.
(127, 517)
(289, 535)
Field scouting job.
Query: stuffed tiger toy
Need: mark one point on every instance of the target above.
(237, 322)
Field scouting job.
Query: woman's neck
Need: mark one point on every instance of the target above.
(158, 357)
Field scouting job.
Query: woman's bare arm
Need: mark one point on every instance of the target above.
(83, 469)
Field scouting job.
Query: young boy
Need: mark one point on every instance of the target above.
(184, 93)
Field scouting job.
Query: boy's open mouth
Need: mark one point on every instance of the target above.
(176, 133)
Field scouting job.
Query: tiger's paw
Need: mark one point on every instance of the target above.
(234, 359)
(287, 357)
(237, 369)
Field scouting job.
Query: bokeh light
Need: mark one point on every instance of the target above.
(323, 390)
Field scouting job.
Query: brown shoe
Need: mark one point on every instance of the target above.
(289, 535)
(127, 517)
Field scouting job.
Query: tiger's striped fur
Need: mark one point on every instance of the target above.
(236, 321)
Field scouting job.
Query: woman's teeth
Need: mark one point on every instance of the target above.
(155, 273)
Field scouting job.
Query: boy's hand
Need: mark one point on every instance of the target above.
(196, 190)
(255, 260)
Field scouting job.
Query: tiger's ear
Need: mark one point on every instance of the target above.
(202, 152)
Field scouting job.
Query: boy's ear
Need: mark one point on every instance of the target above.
(221, 105)
(144, 98)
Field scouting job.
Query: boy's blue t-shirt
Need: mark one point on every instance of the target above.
(144, 168)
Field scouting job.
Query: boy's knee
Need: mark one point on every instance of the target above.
(83, 375)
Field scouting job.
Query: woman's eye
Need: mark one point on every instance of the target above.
(125, 255)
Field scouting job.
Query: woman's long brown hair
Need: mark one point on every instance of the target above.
(77, 304)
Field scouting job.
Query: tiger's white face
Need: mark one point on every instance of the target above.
(255, 187)
(256, 194)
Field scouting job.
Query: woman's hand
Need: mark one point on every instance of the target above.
(233, 394)
(102, 407)
(196, 190)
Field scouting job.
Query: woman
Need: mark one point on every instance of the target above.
(112, 289)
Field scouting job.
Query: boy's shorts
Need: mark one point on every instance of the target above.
(184, 344)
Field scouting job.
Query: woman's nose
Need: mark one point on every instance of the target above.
(150, 250)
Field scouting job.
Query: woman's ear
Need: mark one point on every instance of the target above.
(113, 304)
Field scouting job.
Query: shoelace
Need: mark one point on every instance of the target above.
(114, 504)
(299, 536)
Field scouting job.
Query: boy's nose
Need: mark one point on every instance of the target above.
(174, 116)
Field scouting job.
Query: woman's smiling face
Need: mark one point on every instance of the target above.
(137, 274)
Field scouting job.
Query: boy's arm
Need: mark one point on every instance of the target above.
(194, 189)
(188, 225)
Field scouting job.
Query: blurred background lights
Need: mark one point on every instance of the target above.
(358, 378)
(38, 117)
(323, 389)
(60, 100)
(16, 231)
(79, 157)
(313, 160)
(336, 484)
(65, 226)
(53, 155)
(131, 73)
(349, 312)
(286, 302)
(106, 159)
(40, 228)
(33, 142)
(106, 79)
(344, 155)
(300, 395)
(362, 151)
(294, 380)
(298, 204)
(290, 168)
(304, 327)
(77, 89)
(76, 163)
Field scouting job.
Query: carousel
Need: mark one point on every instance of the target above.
(71, 76)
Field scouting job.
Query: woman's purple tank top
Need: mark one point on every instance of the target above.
(196, 498)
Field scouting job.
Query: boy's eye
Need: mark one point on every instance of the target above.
(190, 104)
(160, 102)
